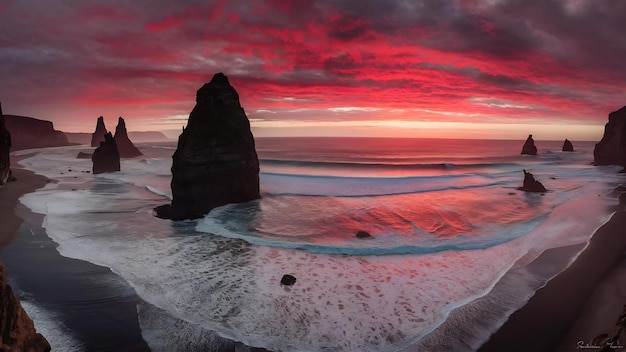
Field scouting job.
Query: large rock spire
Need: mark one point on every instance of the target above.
(124, 145)
(216, 161)
(611, 150)
(98, 135)
(5, 149)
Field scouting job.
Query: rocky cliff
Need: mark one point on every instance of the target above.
(106, 158)
(124, 145)
(17, 331)
(529, 146)
(216, 161)
(28, 132)
(611, 150)
(5, 149)
(98, 135)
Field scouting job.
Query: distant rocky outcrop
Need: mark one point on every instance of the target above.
(529, 147)
(5, 150)
(530, 184)
(567, 146)
(216, 162)
(124, 145)
(611, 150)
(363, 234)
(136, 136)
(106, 158)
(28, 132)
(17, 331)
(83, 155)
(98, 135)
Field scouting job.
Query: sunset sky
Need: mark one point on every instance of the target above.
(436, 68)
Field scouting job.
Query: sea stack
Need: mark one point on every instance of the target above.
(5, 149)
(124, 145)
(529, 147)
(17, 331)
(98, 135)
(567, 146)
(106, 158)
(216, 161)
(530, 184)
(611, 150)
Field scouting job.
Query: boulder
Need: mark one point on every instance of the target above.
(530, 184)
(17, 331)
(215, 162)
(529, 147)
(567, 146)
(106, 158)
(288, 280)
(98, 135)
(363, 234)
(124, 145)
(5, 149)
(611, 150)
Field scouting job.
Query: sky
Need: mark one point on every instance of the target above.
(432, 68)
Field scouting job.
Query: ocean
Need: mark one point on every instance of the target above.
(450, 231)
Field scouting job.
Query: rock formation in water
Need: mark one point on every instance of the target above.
(611, 150)
(83, 155)
(529, 147)
(106, 158)
(567, 146)
(124, 145)
(98, 135)
(216, 161)
(363, 234)
(5, 149)
(288, 280)
(28, 132)
(17, 331)
(530, 184)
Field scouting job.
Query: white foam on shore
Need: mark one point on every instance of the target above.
(58, 335)
(339, 302)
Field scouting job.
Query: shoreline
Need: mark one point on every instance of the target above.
(545, 321)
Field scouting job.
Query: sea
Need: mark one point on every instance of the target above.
(450, 257)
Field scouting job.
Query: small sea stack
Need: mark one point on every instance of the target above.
(567, 146)
(124, 145)
(5, 150)
(215, 162)
(98, 135)
(611, 150)
(531, 185)
(363, 235)
(106, 158)
(529, 146)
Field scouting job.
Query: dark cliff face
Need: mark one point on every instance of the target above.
(17, 331)
(5, 149)
(124, 145)
(529, 146)
(28, 132)
(611, 150)
(216, 161)
(98, 135)
(106, 157)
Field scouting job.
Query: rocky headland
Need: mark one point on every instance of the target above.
(98, 135)
(17, 331)
(5, 150)
(106, 158)
(125, 146)
(215, 162)
(29, 132)
(529, 146)
(611, 150)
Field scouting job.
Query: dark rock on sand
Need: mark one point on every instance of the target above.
(124, 145)
(529, 146)
(106, 158)
(530, 184)
(611, 150)
(567, 146)
(622, 199)
(288, 280)
(363, 234)
(83, 155)
(17, 331)
(216, 161)
(98, 135)
(5, 150)
(28, 132)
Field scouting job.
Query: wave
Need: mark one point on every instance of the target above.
(386, 165)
